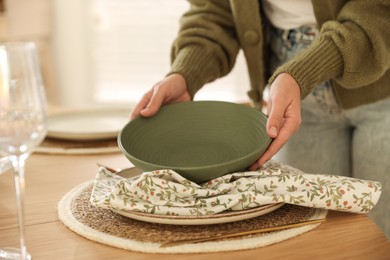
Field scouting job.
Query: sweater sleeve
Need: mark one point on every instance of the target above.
(206, 46)
(353, 49)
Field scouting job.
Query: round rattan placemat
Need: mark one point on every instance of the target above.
(57, 146)
(107, 227)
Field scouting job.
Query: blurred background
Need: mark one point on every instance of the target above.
(106, 52)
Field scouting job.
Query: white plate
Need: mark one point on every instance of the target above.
(224, 217)
(96, 124)
(219, 218)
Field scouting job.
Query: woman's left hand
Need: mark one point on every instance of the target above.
(284, 115)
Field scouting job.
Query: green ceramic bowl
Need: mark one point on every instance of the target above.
(200, 140)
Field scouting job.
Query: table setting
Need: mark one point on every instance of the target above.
(185, 188)
(187, 207)
(116, 223)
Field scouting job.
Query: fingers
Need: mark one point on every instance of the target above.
(284, 116)
(149, 104)
(154, 103)
(274, 130)
(275, 118)
(288, 128)
(273, 148)
(171, 89)
(284, 103)
(140, 106)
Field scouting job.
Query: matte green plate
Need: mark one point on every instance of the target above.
(201, 140)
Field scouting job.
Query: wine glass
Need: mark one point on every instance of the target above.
(5, 165)
(22, 120)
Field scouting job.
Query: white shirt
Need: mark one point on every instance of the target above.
(289, 14)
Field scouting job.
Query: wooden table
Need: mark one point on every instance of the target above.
(49, 177)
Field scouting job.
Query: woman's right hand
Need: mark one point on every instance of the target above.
(172, 89)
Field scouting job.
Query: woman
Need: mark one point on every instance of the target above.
(332, 55)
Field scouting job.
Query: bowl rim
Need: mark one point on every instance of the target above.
(190, 168)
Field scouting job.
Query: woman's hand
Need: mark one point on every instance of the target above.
(172, 89)
(284, 115)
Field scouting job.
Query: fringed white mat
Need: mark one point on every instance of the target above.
(107, 227)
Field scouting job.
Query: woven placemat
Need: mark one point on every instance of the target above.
(107, 227)
(58, 146)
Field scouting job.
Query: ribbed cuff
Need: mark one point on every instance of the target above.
(196, 66)
(322, 61)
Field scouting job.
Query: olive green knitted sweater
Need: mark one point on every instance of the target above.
(352, 49)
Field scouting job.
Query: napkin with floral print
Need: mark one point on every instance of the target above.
(167, 192)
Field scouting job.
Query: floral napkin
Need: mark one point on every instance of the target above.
(166, 192)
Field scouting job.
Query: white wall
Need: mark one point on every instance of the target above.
(112, 51)
(70, 21)
(31, 21)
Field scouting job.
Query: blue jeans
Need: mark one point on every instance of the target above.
(331, 140)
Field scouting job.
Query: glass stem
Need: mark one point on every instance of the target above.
(18, 167)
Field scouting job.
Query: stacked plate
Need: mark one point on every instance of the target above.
(223, 217)
(84, 131)
(88, 125)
